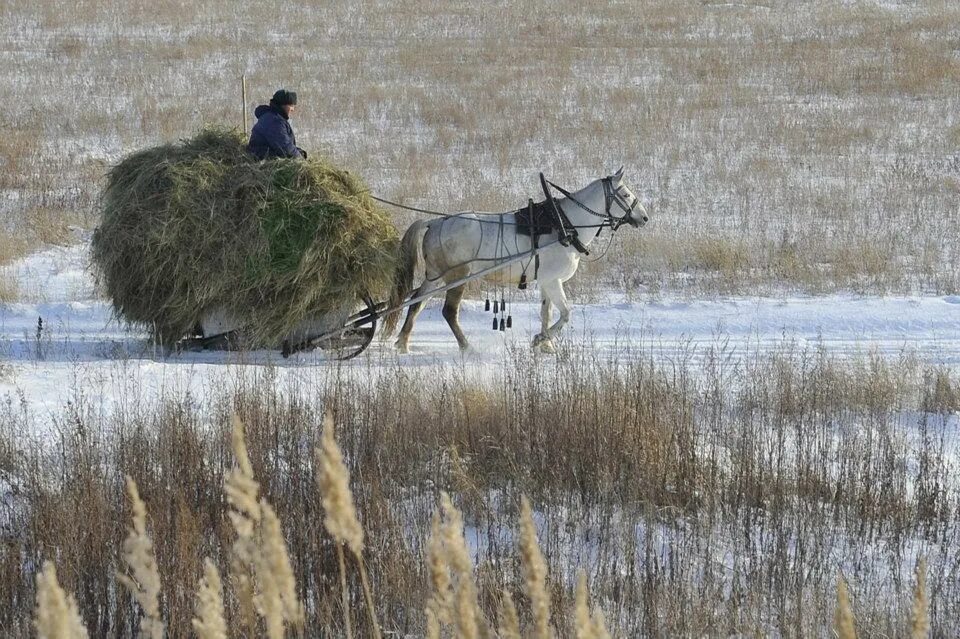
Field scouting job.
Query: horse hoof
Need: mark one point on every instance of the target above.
(538, 339)
(546, 346)
(402, 348)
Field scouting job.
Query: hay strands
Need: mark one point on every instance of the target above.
(368, 316)
(200, 234)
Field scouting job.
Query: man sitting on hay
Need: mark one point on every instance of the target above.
(272, 135)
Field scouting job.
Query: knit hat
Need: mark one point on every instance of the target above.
(282, 97)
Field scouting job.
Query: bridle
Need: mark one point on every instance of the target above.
(611, 195)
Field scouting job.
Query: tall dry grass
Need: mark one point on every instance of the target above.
(704, 496)
(778, 145)
(56, 612)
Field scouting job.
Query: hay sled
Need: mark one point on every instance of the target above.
(206, 247)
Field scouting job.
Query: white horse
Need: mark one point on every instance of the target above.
(456, 247)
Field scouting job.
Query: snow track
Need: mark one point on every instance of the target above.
(80, 340)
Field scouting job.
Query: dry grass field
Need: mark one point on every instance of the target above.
(719, 498)
(798, 145)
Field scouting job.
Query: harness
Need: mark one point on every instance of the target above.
(543, 218)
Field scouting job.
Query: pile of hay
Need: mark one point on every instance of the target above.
(197, 227)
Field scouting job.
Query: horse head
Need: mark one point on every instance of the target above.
(623, 197)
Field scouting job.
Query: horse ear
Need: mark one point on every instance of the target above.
(619, 173)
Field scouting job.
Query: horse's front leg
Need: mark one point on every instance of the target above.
(545, 308)
(554, 294)
(451, 313)
(544, 338)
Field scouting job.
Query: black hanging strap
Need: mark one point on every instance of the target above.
(567, 231)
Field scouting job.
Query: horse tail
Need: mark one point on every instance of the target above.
(410, 259)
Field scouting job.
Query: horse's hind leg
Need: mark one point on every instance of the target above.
(413, 311)
(404, 338)
(451, 313)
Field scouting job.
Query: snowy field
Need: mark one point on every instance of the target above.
(650, 480)
(81, 347)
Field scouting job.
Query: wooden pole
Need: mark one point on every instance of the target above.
(243, 102)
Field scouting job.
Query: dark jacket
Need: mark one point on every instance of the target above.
(272, 135)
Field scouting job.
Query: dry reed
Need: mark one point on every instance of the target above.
(397, 431)
(534, 572)
(263, 576)
(587, 624)
(210, 620)
(434, 628)
(440, 604)
(144, 582)
(277, 599)
(583, 623)
(509, 619)
(843, 619)
(243, 496)
(467, 612)
(56, 615)
(333, 481)
(340, 520)
(919, 615)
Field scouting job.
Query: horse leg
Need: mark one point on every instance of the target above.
(451, 313)
(559, 298)
(545, 308)
(413, 311)
(554, 292)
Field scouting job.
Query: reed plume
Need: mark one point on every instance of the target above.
(587, 625)
(334, 483)
(509, 620)
(843, 618)
(433, 625)
(277, 600)
(919, 615)
(263, 576)
(56, 616)
(468, 615)
(534, 572)
(144, 584)
(600, 625)
(341, 522)
(210, 622)
(440, 604)
(243, 497)
(583, 623)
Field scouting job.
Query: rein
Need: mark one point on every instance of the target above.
(408, 208)
(450, 216)
(610, 195)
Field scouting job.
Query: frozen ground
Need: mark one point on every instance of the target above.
(81, 347)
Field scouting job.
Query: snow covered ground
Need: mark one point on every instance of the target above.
(81, 346)
(82, 355)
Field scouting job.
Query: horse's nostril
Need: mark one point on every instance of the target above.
(646, 219)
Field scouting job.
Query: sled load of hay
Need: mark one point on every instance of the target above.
(200, 228)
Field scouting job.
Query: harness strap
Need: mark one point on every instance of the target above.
(566, 236)
(535, 243)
